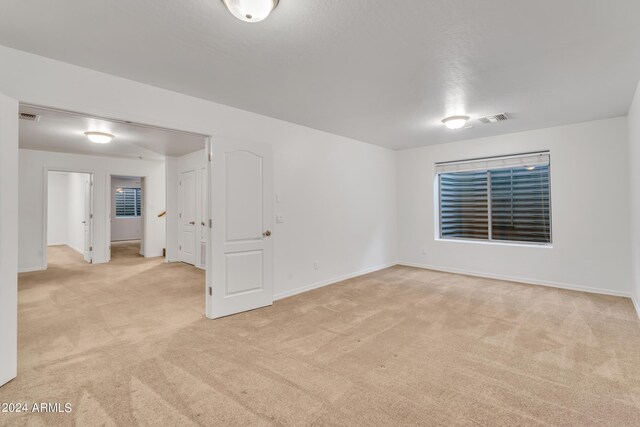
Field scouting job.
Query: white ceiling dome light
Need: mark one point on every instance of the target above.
(251, 10)
(455, 122)
(99, 137)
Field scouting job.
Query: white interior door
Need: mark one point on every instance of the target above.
(188, 217)
(242, 249)
(110, 213)
(203, 228)
(88, 218)
(8, 238)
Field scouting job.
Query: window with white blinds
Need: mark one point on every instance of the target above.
(498, 199)
(128, 202)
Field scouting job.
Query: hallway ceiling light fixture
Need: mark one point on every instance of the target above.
(250, 10)
(99, 137)
(455, 122)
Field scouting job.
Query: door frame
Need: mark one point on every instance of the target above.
(45, 209)
(208, 269)
(90, 230)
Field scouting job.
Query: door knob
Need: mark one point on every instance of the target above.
(202, 223)
(192, 222)
(266, 233)
(84, 222)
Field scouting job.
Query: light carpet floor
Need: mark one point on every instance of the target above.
(127, 249)
(127, 343)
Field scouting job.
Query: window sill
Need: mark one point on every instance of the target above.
(498, 243)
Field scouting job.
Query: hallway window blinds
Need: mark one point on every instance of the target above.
(499, 199)
(127, 202)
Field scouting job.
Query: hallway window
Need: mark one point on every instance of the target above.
(127, 202)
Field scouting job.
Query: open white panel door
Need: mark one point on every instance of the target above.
(88, 218)
(203, 228)
(8, 238)
(242, 249)
(110, 213)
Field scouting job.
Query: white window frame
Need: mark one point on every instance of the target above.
(137, 201)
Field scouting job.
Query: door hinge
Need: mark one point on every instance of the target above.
(180, 247)
(90, 248)
(90, 215)
(210, 156)
(180, 215)
(210, 223)
(180, 182)
(210, 290)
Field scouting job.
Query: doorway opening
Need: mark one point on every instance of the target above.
(69, 218)
(124, 229)
(126, 217)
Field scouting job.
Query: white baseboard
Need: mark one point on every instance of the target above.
(312, 286)
(523, 280)
(30, 269)
(153, 255)
(636, 305)
(79, 250)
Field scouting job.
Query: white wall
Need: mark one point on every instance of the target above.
(66, 209)
(338, 194)
(590, 210)
(171, 218)
(634, 166)
(128, 228)
(339, 207)
(32, 167)
(58, 206)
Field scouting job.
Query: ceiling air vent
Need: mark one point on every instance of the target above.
(30, 117)
(495, 118)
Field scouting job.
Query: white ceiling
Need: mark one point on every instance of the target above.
(64, 132)
(384, 72)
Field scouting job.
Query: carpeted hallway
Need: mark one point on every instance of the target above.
(126, 249)
(127, 343)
